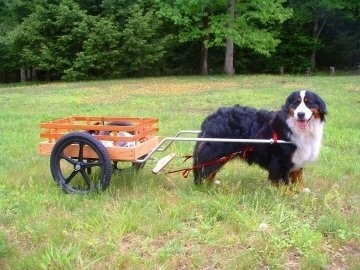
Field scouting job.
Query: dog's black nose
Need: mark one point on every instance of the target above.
(301, 115)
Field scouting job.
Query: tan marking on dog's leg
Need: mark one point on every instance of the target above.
(289, 190)
(296, 178)
(212, 178)
(275, 184)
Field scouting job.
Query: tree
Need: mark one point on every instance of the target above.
(99, 53)
(12, 13)
(215, 23)
(193, 19)
(141, 41)
(44, 39)
(313, 16)
(142, 46)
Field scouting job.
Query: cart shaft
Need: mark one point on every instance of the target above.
(177, 138)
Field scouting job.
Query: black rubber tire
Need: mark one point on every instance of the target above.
(78, 174)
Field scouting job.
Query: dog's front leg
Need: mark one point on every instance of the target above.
(296, 178)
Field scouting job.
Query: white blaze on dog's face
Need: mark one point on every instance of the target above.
(302, 113)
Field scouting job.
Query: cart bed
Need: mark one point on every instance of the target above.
(125, 138)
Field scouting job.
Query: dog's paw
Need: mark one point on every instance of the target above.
(306, 190)
(217, 182)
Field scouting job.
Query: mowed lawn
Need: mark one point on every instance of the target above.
(146, 221)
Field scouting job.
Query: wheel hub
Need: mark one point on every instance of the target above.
(77, 166)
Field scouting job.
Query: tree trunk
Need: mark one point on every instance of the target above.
(316, 33)
(204, 69)
(229, 52)
(229, 57)
(34, 74)
(28, 74)
(22, 74)
(204, 59)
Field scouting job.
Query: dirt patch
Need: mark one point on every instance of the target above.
(292, 260)
(177, 87)
(346, 256)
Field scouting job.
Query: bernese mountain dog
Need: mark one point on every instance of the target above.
(300, 121)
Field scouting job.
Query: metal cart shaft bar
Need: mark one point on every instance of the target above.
(167, 141)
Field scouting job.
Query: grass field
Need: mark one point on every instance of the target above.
(143, 221)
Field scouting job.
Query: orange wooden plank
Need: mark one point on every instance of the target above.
(59, 133)
(115, 152)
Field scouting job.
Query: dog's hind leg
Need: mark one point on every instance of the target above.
(212, 178)
(208, 159)
(206, 173)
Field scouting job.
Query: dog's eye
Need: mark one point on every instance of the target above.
(306, 100)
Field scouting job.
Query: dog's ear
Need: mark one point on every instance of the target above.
(318, 104)
(321, 107)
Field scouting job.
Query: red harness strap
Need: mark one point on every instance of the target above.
(244, 152)
(186, 171)
(275, 136)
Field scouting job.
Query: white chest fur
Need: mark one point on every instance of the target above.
(307, 141)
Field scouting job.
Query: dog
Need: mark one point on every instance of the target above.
(300, 121)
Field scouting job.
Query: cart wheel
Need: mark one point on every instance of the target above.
(75, 173)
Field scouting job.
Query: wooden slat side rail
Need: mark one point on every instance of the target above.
(106, 120)
(110, 119)
(115, 152)
(103, 119)
(58, 134)
(77, 123)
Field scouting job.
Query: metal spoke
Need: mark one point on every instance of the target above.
(86, 178)
(81, 151)
(92, 164)
(71, 176)
(68, 159)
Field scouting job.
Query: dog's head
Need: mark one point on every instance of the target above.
(303, 107)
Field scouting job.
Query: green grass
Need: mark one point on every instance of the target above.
(143, 221)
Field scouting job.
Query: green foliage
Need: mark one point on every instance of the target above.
(45, 38)
(78, 39)
(251, 28)
(100, 50)
(141, 45)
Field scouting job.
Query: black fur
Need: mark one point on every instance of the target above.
(246, 123)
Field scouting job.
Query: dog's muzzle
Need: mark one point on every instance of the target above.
(301, 120)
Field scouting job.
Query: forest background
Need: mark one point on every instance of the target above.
(100, 39)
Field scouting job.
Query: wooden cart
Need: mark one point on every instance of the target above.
(84, 149)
